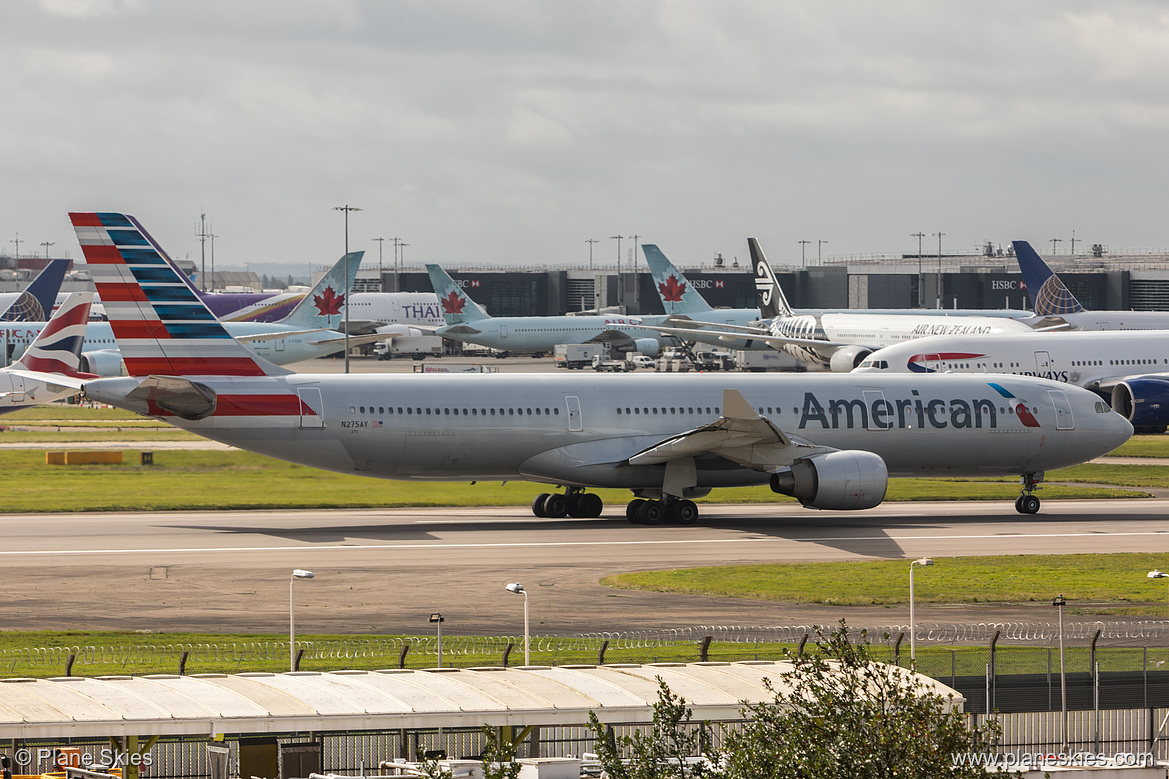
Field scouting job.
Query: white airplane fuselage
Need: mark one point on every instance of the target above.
(543, 333)
(582, 430)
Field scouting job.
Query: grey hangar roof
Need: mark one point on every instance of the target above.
(254, 703)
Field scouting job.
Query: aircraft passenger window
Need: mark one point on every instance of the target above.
(618, 411)
(492, 412)
(447, 411)
(511, 412)
(627, 410)
(456, 412)
(645, 410)
(636, 411)
(381, 410)
(409, 410)
(556, 411)
(716, 410)
(353, 409)
(537, 412)
(474, 412)
(428, 412)
(529, 412)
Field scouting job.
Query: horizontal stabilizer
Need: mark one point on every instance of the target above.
(181, 397)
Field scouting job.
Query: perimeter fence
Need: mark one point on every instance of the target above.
(1006, 667)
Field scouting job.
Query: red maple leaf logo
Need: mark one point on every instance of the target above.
(453, 303)
(672, 291)
(329, 303)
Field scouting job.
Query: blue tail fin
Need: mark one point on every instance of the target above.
(325, 305)
(678, 295)
(456, 306)
(35, 303)
(1049, 296)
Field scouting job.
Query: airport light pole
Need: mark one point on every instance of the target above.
(939, 289)
(1054, 241)
(437, 620)
(920, 279)
(380, 243)
(348, 292)
(17, 242)
(47, 244)
(804, 253)
(912, 622)
(397, 282)
(620, 288)
(819, 245)
(590, 242)
(1059, 602)
(518, 589)
(297, 574)
(635, 237)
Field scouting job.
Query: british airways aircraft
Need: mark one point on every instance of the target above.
(838, 340)
(831, 441)
(466, 321)
(56, 350)
(1128, 368)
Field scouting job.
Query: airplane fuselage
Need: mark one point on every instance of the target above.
(581, 431)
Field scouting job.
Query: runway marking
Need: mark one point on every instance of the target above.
(549, 544)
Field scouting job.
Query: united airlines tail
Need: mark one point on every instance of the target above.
(1049, 296)
(35, 303)
(678, 295)
(57, 348)
(772, 303)
(324, 306)
(457, 308)
(161, 325)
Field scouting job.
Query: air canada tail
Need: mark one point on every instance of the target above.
(457, 308)
(678, 295)
(35, 303)
(1049, 296)
(325, 305)
(772, 303)
(57, 348)
(161, 325)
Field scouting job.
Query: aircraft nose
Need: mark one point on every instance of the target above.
(1117, 430)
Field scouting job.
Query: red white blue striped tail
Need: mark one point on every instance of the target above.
(161, 325)
(57, 348)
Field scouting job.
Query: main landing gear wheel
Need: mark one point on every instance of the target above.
(586, 505)
(556, 506)
(538, 504)
(683, 512)
(632, 509)
(651, 512)
(1027, 504)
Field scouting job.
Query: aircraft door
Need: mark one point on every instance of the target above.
(880, 411)
(932, 362)
(1042, 363)
(1063, 410)
(17, 389)
(503, 331)
(312, 408)
(279, 344)
(575, 423)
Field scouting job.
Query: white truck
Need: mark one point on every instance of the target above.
(575, 356)
(756, 361)
(416, 346)
(610, 366)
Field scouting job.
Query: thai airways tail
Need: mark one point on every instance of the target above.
(1049, 296)
(678, 295)
(324, 305)
(57, 348)
(457, 308)
(160, 324)
(772, 303)
(35, 303)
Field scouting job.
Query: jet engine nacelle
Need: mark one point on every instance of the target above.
(1144, 402)
(646, 346)
(840, 481)
(398, 330)
(844, 360)
(103, 362)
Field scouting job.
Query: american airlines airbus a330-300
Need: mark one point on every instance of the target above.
(831, 441)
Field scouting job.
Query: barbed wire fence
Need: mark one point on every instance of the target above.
(691, 643)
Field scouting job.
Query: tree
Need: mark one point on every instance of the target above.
(836, 713)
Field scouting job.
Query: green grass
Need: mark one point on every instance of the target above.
(1144, 446)
(1102, 578)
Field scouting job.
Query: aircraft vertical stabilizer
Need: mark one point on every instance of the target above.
(677, 293)
(35, 303)
(57, 348)
(772, 303)
(324, 306)
(457, 308)
(161, 325)
(1049, 296)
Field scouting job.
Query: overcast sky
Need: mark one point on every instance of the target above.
(510, 131)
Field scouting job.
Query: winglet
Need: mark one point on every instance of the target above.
(160, 324)
(1049, 296)
(457, 307)
(772, 303)
(735, 406)
(677, 294)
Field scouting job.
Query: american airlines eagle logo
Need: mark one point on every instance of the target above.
(453, 303)
(673, 290)
(329, 303)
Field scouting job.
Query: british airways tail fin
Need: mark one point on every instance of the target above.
(457, 308)
(57, 348)
(1049, 296)
(772, 303)
(678, 295)
(160, 324)
(35, 303)
(324, 305)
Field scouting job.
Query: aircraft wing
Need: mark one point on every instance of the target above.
(355, 340)
(739, 435)
(735, 333)
(1107, 384)
(459, 329)
(56, 382)
(276, 336)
